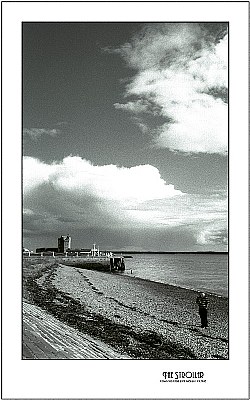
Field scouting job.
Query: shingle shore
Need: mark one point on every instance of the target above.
(139, 319)
(146, 306)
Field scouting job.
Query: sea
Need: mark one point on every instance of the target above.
(207, 272)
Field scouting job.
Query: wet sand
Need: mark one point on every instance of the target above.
(137, 318)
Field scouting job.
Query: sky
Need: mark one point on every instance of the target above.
(125, 136)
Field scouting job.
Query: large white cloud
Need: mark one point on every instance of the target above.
(109, 182)
(184, 76)
(133, 204)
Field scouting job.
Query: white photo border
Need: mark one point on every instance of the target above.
(92, 379)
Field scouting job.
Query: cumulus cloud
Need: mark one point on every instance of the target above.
(37, 133)
(133, 106)
(204, 216)
(75, 194)
(213, 234)
(109, 182)
(181, 74)
(117, 205)
(139, 106)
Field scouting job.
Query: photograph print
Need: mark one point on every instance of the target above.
(125, 203)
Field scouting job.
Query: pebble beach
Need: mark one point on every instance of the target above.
(138, 318)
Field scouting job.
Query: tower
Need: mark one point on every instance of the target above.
(64, 243)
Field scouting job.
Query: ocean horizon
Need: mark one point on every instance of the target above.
(206, 271)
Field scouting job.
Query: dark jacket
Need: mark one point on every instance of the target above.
(202, 302)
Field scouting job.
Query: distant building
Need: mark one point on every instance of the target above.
(64, 243)
(44, 249)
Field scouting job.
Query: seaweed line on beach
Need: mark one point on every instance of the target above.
(133, 308)
(138, 345)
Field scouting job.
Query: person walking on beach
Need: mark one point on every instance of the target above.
(202, 302)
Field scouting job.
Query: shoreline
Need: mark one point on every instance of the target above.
(125, 272)
(137, 317)
(169, 284)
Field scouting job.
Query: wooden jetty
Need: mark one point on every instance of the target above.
(93, 259)
(112, 264)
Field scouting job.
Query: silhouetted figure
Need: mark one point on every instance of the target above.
(202, 302)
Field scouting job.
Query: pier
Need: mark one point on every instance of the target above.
(89, 259)
(112, 264)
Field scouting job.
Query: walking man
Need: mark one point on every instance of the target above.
(202, 302)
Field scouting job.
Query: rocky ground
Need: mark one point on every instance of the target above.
(137, 318)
